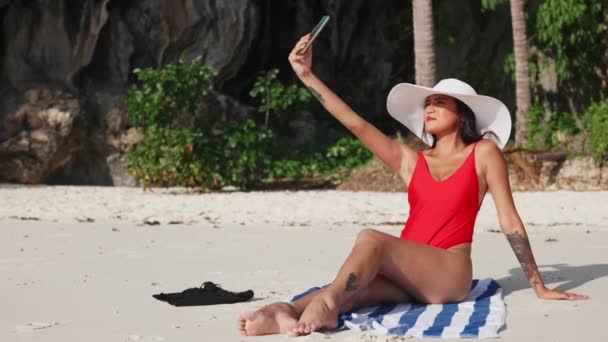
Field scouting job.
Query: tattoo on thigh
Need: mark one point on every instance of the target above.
(316, 94)
(350, 283)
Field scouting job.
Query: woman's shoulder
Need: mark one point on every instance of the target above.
(487, 148)
(489, 155)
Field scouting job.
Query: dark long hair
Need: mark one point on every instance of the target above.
(467, 126)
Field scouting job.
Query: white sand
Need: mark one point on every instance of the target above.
(65, 279)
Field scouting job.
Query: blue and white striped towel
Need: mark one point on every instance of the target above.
(480, 315)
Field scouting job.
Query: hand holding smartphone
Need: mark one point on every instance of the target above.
(315, 33)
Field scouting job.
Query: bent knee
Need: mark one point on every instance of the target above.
(369, 234)
(370, 239)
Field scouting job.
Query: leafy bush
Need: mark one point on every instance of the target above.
(344, 155)
(190, 157)
(276, 97)
(163, 93)
(549, 132)
(288, 169)
(596, 127)
(231, 153)
(170, 157)
(246, 153)
(348, 152)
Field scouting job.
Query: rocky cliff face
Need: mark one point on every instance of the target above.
(76, 58)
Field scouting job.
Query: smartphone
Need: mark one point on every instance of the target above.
(315, 32)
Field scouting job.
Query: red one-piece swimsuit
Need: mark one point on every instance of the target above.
(442, 213)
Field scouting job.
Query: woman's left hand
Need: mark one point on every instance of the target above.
(546, 293)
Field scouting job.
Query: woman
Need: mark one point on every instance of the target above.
(431, 260)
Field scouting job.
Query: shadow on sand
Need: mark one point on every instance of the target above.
(572, 276)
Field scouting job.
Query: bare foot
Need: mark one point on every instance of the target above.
(321, 313)
(276, 318)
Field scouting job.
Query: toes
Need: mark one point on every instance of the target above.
(303, 329)
(240, 325)
(293, 333)
(244, 317)
(247, 316)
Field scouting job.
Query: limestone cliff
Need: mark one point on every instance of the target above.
(76, 57)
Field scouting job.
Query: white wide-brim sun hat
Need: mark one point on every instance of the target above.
(406, 103)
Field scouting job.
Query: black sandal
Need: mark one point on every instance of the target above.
(207, 294)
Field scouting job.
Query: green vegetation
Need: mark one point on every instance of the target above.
(165, 93)
(574, 33)
(334, 163)
(200, 157)
(211, 156)
(276, 97)
(204, 155)
(568, 37)
(596, 125)
(550, 132)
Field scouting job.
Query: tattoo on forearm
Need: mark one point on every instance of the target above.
(523, 251)
(316, 94)
(350, 283)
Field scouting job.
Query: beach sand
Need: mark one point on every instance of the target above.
(82, 263)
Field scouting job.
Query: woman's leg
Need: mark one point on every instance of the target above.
(429, 274)
(380, 291)
(280, 317)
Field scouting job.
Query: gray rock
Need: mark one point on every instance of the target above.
(41, 137)
(118, 169)
(40, 46)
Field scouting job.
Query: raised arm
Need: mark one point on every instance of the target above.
(497, 179)
(397, 156)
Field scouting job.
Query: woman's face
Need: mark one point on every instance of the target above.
(440, 114)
